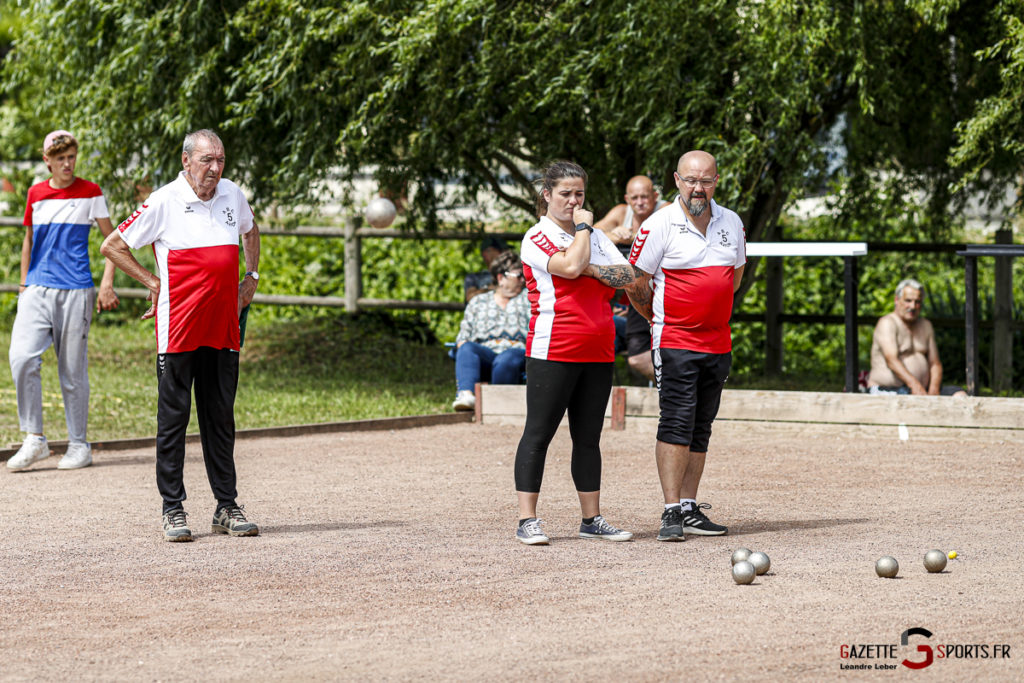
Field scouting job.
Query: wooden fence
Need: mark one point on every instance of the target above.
(773, 317)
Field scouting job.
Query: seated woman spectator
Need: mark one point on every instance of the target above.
(491, 344)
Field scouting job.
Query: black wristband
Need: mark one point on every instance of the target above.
(584, 226)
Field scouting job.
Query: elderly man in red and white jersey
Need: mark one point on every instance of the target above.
(688, 260)
(194, 224)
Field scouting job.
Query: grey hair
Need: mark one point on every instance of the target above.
(909, 282)
(192, 138)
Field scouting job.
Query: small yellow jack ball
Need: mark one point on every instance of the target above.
(952, 554)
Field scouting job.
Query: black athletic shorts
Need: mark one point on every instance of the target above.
(689, 392)
(638, 333)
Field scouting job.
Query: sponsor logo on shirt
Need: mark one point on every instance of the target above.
(723, 237)
(128, 221)
(229, 217)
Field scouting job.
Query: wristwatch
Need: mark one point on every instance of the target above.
(253, 274)
(584, 226)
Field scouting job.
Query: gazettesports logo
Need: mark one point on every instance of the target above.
(890, 656)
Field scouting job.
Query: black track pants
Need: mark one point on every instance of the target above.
(214, 372)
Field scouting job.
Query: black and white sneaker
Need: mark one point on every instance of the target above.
(696, 522)
(671, 524)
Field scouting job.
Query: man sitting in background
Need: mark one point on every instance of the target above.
(621, 225)
(904, 356)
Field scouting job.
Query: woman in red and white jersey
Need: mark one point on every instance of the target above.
(572, 272)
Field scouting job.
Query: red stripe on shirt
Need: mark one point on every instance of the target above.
(698, 305)
(203, 298)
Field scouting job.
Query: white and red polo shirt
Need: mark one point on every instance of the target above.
(570, 320)
(196, 248)
(60, 220)
(692, 276)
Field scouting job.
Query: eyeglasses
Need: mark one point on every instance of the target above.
(518, 276)
(694, 182)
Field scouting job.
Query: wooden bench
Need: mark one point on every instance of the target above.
(971, 418)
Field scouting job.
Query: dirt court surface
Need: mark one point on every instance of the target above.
(390, 556)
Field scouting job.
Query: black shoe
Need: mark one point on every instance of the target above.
(696, 522)
(671, 525)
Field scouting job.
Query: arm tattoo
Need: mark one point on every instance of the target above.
(640, 294)
(614, 276)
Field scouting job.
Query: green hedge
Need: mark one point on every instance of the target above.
(431, 269)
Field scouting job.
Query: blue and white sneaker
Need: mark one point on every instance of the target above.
(529, 533)
(603, 530)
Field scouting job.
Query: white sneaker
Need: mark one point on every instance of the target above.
(32, 451)
(78, 455)
(464, 400)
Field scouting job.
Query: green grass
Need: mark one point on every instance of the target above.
(292, 372)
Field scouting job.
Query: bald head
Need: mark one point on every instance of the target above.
(696, 159)
(639, 183)
(641, 196)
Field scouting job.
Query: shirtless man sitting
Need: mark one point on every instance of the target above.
(904, 357)
(621, 225)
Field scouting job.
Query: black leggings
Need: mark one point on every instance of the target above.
(551, 388)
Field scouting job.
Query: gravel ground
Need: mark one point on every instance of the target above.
(390, 556)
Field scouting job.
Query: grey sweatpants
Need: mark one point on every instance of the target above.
(61, 317)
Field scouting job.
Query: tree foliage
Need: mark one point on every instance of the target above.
(481, 93)
(993, 138)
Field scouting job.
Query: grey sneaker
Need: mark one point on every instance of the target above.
(529, 533)
(175, 527)
(696, 522)
(33, 449)
(671, 524)
(230, 520)
(78, 455)
(599, 528)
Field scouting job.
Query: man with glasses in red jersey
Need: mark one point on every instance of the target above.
(688, 260)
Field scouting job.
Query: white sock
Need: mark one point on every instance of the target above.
(688, 504)
(669, 506)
